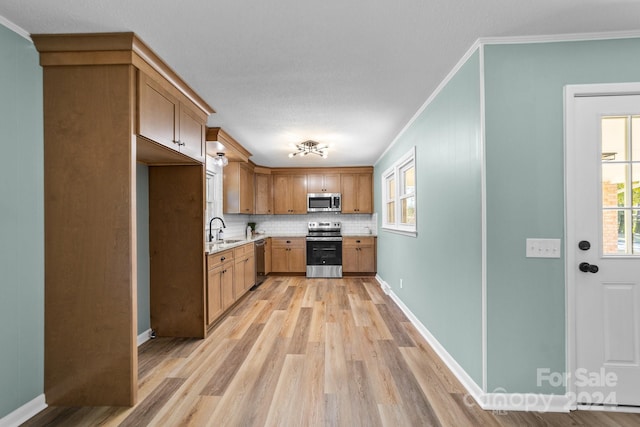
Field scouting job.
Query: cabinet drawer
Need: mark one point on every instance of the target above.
(357, 241)
(215, 260)
(243, 251)
(288, 242)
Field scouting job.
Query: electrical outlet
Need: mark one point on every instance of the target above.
(400, 283)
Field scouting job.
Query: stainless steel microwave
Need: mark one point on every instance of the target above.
(323, 202)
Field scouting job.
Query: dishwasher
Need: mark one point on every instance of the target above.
(260, 270)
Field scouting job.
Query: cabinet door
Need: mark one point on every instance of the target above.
(228, 296)
(315, 183)
(297, 260)
(279, 259)
(246, 189)
(157, 113)
(299, 194)
(267, 256)
(282, 194)
(349, 193)
(214, 294)
(191, 134)
(263, 193)
(249, 272)
(323, 183)
(332, 183)
(349, 259)
(367, 259)
(365, 193)
(238, 278)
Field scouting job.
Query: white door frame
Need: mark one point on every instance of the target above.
(571, 92)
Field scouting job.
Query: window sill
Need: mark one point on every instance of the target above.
(401, 232)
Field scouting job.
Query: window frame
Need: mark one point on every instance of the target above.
(395, 172)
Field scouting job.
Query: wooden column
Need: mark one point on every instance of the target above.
(90, 248)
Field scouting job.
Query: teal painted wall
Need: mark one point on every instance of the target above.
(21, 223)
(525, 196)
(441, 268)
(142, 225)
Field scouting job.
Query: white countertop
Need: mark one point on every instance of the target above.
(233, 242)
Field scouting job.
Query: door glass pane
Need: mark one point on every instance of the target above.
(614, 138)
(614, 176)
(614, 241)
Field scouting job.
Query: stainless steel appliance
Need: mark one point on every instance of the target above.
(260, 270)
(324, 249)
(324, 202)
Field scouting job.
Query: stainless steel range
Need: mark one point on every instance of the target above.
(324, 249)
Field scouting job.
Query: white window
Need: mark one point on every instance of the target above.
(399, 210)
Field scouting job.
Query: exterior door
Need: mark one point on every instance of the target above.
(603, 243)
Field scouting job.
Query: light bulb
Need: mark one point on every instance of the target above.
(291, 155)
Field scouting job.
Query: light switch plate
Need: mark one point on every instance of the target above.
(543, 248)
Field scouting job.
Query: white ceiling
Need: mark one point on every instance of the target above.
(348, 73)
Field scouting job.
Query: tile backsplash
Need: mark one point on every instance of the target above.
(297, 224)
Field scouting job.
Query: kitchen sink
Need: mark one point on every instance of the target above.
(229, 241)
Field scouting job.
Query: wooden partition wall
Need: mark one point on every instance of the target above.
(91, 145)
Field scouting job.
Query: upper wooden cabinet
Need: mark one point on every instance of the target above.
(263, 194)
(323, 183)
(290, 194)
(357, 193)
(164, 118)
(238, 188)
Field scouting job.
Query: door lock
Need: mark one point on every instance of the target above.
(584, 245)
(585, 267)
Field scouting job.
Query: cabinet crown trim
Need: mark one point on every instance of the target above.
(107, 49)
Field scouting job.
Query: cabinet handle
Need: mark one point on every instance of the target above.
(357, 241)
(222, 258)
(288, 241)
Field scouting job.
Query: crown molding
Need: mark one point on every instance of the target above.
(558, 38)
(15, 28)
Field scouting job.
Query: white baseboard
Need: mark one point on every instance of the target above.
(144, 337)
(487, 401)
(24, 412)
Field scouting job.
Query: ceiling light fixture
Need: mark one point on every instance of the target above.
(310, 147)
(221, 160)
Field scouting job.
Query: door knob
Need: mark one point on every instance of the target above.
(584, 245)
(585, 267)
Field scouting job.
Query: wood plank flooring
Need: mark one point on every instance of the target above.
(306, 352)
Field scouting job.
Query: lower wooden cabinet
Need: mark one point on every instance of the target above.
(245, 269)
(288, 255)
(219, 284)
(230, 274)
(359, 255)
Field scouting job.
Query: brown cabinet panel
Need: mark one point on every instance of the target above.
(290, 194)
(191, 134)
(267, 256)
(263, 194)
(359, 254)
(164, 118)
(238, 188)
(323, 183)
(226, 285)
(157, 112)
(288, 255)
(214, 294)
(357, 193)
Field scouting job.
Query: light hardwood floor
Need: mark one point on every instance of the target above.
(306, 352)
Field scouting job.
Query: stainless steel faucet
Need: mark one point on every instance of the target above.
(210, 229)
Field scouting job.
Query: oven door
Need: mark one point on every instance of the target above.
(324, 258)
